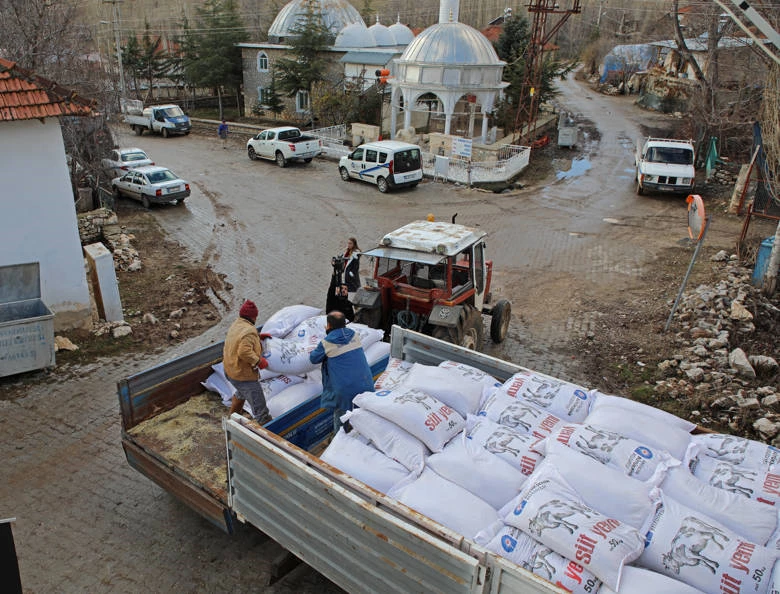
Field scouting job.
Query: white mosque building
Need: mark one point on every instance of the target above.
(449, 71)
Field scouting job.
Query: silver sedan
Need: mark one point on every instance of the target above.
(121, 160)
(151, 185)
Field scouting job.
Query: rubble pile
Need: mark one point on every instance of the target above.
(723, 176)
(716, 366)
(91, 224)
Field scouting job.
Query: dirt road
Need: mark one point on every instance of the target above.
(86, 522)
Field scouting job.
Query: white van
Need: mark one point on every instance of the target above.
(386, 163)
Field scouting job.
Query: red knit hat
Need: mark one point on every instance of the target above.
(248, 310)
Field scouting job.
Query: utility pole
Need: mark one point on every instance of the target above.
(118, 42)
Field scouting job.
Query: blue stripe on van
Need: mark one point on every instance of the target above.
(384, 165)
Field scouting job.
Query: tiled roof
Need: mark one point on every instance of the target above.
(27, 96)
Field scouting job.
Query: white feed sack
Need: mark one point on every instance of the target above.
(625, 499)
(612, 449)
(293, 396)
(287, 318)
(448, 385)
(389, 438)
(363, 462)
(472, 467)
(601, 400)
(368, 335)
(429, 420)
(636, 580)
(516, 546)
(652, 431)
(505, 442)
(567, 401)
(278, 383)
(393, 375)
(376, 352)
(446, 503)
(551, 512)
(309, 332)
(761, 484)
(217, 382)
(521, 415)
(687, 545)
(737, 450)
(750, 519)
(288, 356)
(467, 372)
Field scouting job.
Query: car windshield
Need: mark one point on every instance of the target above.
(173, 112)
(139, 156)
(674, 156)
(161, 176)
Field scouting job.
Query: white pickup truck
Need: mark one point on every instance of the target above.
(283, 145)
(163, 119)
(665, 165)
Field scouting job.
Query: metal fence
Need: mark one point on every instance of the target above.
(509, 161)
(499, 165)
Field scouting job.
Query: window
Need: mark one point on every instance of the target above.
(371, 155)
(357, 155)
(302, 101)
(262, 62)
(383, 157)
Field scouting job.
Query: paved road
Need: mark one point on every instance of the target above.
(86, 522)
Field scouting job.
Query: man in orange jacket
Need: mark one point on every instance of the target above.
(243, 359)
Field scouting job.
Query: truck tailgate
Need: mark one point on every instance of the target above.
(339, 531)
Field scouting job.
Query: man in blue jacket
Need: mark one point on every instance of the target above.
(345, 370)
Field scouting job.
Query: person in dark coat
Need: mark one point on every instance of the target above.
(352, 265)
(345, 370)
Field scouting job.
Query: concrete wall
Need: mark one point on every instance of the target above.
(38, 222)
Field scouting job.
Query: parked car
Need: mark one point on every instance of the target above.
(386, 163)
(282, 145)
(121, 160)
(151, 185)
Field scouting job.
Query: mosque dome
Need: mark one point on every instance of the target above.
(403, 35)
(355, 35)
(382, 34)
(336, 14)
(451, 43)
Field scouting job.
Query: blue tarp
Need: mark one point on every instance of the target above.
(627, 59)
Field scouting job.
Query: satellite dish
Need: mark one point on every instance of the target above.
(697, 220)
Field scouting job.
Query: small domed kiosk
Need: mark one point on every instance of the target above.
(449, 60)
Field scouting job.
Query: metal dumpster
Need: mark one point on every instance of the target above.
(567, 130)
(26, 324)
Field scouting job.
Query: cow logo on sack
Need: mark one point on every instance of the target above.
(581, 394)
(383, 393)
(519, 509)
(644, 452)
(508, 543)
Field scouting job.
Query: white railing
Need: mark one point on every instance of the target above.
(332, 138)
(510, 160)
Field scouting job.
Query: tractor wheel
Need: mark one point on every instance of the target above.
(499, 320)
(370, 317)
(472, 331)
(469, 332)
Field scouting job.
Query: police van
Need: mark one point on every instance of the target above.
(386, 163)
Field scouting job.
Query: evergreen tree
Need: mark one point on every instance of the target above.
(210, 55)
(273, 100)
(307, 65)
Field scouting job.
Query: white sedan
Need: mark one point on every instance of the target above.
(151, 185)
(121, 160)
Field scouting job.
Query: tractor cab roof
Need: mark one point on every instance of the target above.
(430, 237)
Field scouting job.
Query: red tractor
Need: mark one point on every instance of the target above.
(434, 278)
